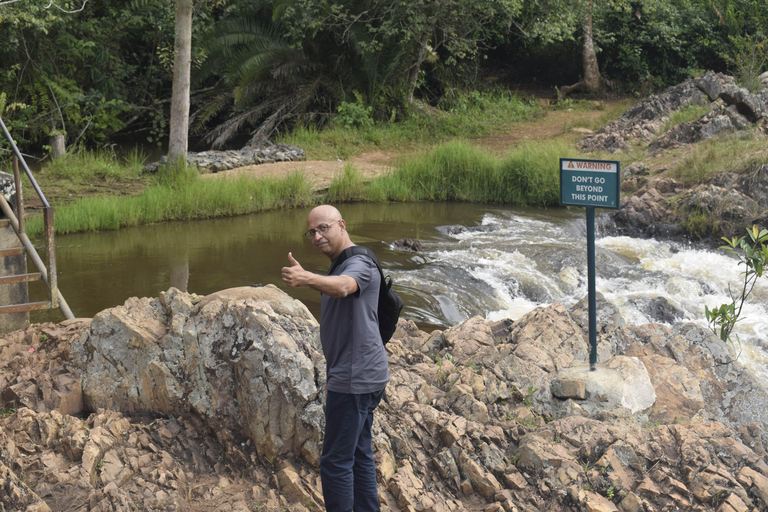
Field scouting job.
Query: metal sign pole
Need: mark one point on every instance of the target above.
(590, 183)
(591, 287)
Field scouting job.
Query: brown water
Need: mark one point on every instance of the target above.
(101, 270)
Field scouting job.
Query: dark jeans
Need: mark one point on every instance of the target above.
(347, 469)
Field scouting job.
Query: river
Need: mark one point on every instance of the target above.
(494, 261)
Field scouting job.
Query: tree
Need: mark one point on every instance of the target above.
(451, 30)
(179, 126)
(559, 20)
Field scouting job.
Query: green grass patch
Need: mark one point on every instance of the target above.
(460, 171)
(187, 199)
(686, 114)
(83, 166)
(466, 115)
(742, 152)
(347, 186)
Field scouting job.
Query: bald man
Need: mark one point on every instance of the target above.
(356, 362)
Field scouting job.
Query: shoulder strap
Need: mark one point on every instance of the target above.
(354, 250)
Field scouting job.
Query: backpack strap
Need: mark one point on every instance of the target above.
(352, 251)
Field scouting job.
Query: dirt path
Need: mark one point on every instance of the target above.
(372, 164)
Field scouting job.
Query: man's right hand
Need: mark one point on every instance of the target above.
(294, 275)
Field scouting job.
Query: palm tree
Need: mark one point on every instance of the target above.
(268, 81)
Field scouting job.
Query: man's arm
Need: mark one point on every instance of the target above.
(333, 286)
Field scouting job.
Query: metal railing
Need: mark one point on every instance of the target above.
(46, 273)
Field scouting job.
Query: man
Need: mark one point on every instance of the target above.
(356, 362)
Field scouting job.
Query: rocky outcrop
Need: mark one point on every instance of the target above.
(485, 416)
(729, 108)
(8, 189)
(223, 160)
(664, 208)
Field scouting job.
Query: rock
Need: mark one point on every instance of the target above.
(407, 244)
(483, 429)
(260, 153)
(620, 382)
(17, 495)
(731, 108)
(8, 189)
(222, 359)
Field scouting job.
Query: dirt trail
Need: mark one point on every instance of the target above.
(374, 163)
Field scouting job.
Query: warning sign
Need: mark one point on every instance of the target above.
(589, 183)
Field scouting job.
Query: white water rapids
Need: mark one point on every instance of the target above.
(512, 262)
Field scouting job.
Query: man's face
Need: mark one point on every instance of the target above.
(328, 235)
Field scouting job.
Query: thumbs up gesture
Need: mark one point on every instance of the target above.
(293, 275)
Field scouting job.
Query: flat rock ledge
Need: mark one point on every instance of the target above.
(215, 160)
(184, 403)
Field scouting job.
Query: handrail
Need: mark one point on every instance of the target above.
(32, 252)
(56, 299)
(24, 164)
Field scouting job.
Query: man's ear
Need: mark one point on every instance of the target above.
(343, 224)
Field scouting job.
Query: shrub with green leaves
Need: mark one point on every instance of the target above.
(752, 252)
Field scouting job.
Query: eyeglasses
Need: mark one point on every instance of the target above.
(322, 229)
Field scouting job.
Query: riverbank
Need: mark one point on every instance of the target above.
(682, 152)
(129, 198)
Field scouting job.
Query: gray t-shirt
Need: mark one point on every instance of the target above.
(349, 330)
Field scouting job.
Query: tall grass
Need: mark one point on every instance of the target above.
(185, 200)
(686, 114)
(459, 171)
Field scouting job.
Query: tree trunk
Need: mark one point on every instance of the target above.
(414, 74)
(58, 145)
(178, 139)
(592, 81)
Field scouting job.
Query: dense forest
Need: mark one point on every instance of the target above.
(98, 69)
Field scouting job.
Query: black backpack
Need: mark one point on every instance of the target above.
(390, 303)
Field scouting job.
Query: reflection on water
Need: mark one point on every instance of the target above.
(493, 261)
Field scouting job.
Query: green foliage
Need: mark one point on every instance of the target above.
(658, 43)
(6, 411)
(749, 59)
(752, 252)
(528, 395)
(354, 115)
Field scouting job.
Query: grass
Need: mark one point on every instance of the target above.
(461, 116)
(686, 114)
(450, 169)
(184, 199)
(81, 166)
(741, 152)
(459, 171)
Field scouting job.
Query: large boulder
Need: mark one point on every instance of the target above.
(247, 361)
